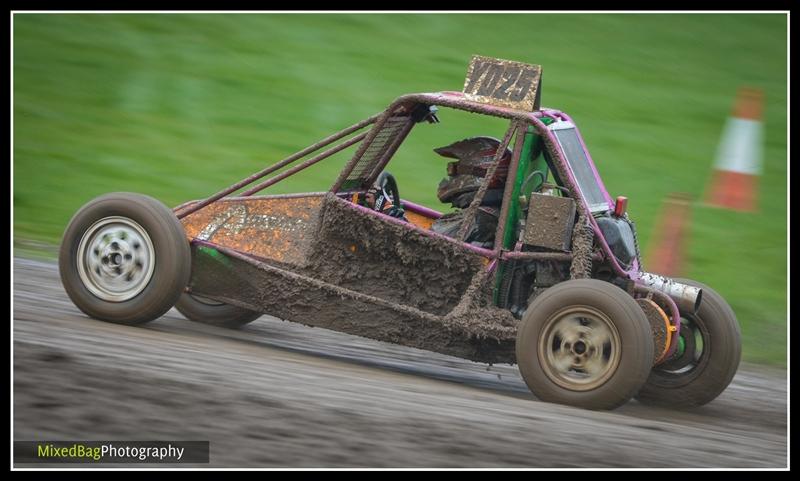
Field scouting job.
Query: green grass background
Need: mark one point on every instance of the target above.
(178, 106)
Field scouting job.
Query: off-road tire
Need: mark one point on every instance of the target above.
(717, 364)
(616, 312)
(168, 252)
(208, 311)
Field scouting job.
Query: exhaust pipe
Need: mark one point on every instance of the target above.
(686, 297)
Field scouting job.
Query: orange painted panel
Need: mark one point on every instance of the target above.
(275, 228)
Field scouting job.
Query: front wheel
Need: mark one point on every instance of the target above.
(124, 258)
(706, 359)
(584, 343)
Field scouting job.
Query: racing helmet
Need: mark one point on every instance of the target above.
(464, 176)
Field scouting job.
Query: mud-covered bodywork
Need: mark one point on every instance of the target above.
(323, 261)
(536, 266)
(409, 284)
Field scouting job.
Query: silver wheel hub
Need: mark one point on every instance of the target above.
(116, 259)
(579, 349)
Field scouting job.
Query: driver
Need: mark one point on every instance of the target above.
(383, 196)
(473, 156)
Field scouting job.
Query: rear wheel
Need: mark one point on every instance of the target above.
(124, 258)
(585, 343)
(706, 359)
(208, 311)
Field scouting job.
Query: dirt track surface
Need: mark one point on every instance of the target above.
(277, 394)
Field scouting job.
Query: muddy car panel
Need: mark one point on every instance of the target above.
(349, 269)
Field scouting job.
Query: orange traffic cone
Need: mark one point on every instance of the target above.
(738, 162)
(668, 243)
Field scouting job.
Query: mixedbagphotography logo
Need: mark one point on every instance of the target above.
(101, 452)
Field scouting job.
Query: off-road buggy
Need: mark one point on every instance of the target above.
(558, 288)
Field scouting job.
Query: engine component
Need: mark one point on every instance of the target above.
(619, 237)
(549, 222)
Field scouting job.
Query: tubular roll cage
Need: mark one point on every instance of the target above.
(403, 106)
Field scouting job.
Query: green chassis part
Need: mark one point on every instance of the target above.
(527, 165)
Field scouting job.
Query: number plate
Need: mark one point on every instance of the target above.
(504, 83)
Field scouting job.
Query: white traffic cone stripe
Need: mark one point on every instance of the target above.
(740, 148)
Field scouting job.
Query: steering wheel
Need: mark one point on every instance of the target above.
(387, 191)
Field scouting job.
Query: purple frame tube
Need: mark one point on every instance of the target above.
(597, 178)
(420, 209)
(478, 250)
(472, 209)
(519, 130)
(304, 165)
(373, 132)
(573, 184)
(446, 99)
(272, 168)
(456, 100)
(399, 139)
